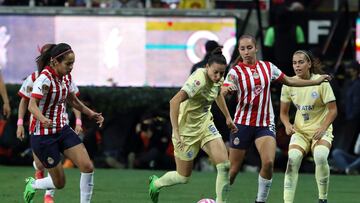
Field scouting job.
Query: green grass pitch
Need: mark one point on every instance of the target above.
(131, 186)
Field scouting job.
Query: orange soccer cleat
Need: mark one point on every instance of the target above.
(48, 199)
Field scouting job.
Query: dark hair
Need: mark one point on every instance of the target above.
(55, 51)
(60, 51)
(239, 59)
(216, 56)
(316, 65)
(44, 58)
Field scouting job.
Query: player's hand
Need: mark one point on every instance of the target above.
(319, 133)
(179, 141)
(231, 125)
(289, 129)
(78, 129)
(6, 110)
(99, 118)
(323, 78)
(20, 132)
(47, 123)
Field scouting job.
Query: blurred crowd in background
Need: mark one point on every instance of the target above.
(142, 140)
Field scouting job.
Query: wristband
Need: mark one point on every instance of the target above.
(20, 121)
(78, 122)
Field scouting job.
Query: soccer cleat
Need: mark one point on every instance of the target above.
(29, 190)
(322, 200)
(48, 199)
(153, 191)
(39, 174)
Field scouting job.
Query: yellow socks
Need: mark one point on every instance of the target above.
(322, 171)
(222, 182)
(171, 178)
(291, 174)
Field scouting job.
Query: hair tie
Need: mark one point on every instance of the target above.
(62, 53)
(306, 54)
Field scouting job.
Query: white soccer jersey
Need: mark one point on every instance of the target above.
(52, 92)
(254, 106)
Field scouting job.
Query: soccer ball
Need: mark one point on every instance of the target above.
(206, 201)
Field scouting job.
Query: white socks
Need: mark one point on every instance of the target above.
(44, 183)
(86, 187)
(263, 189)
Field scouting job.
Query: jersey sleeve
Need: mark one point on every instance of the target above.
(231, 78)
(26, 88)
(74, 89)
(41, 86)
(327, 94)
(194, 83)
(276, 73)
(285, 94)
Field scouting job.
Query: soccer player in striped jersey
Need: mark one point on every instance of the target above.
(312, 129)
(251, 79)
(50, 133)
(193, 128)
(25, 94)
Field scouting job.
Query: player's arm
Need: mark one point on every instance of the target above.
(23, 105)
(5, 98)
(284, 117)
(34, 109)
(174, 112)
(297, 82)
(220, 101)
(329, 118)
(74, 101)
(78, 123)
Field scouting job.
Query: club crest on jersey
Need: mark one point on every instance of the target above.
(314, 95)
(197, 82)
(50, 160)
(236, 141)
(44, 89)
(256, 75)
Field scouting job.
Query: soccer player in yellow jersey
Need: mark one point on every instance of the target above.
(312, 129)
(193, 128)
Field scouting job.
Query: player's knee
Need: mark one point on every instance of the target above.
(268, 164)
(59, 183)
(182, 179)
(321, 154)
(87, 167)
(294, 160)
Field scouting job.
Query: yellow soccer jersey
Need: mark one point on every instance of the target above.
(195, 111)
(310, 103)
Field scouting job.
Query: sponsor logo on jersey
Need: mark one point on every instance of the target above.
(189, 154)
(44, 89)
(29, 89)
(213, 129)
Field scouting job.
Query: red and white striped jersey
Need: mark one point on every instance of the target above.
(52, 91)
(27, 86)
(254, 106)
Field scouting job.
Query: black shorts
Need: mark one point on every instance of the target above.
(48, 147)
(246, 135)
